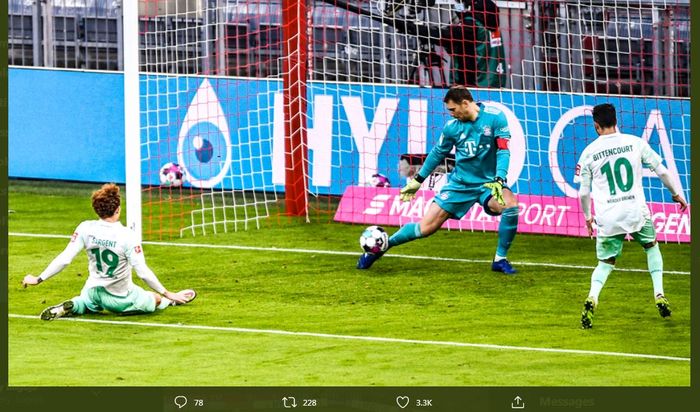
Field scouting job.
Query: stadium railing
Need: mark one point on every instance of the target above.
(636, 47)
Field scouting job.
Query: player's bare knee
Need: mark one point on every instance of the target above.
(510, 198)
(428, 229)
(512, 202)
(649, 245)
(496, 209)
(157, 297)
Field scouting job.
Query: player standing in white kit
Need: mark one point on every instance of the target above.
(610, 171)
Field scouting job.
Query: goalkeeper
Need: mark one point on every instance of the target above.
(112, 251)
(480, 136)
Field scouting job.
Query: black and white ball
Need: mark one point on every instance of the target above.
(374, 240)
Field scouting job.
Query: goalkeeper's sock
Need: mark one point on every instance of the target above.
(164, 303)
(407, 233)
(656, 268)
(507, 230)
(598, 279)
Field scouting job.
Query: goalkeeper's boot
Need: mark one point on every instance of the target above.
(367, 259)
(587, 314)
(663, 306)
(503, 266)
(58, 311)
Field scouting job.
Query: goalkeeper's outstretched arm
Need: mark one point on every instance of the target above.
(434, 158)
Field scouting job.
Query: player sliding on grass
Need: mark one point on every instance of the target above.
(112, 251)
(480, 136)
(610, 170)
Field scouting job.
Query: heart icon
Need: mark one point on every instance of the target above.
(402, 401)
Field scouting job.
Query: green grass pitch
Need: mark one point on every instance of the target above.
(284, 305)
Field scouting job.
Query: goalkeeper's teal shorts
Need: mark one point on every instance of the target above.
(458, 198)
(611, 246)
(96, 299)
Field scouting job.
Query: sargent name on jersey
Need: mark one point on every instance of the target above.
(92, 240)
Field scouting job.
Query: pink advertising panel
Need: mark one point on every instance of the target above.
(538, 214)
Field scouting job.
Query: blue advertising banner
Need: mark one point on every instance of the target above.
(66, 125)
(357, 130)
(228, 133)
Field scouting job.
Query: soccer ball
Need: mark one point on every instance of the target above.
(172, 175)
(379, 180)
(374, 240)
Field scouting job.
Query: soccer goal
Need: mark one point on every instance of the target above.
(319, 111)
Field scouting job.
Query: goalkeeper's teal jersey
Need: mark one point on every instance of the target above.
(477, 157)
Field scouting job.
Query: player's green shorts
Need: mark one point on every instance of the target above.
(96, 299)
(608, 247)
(457, 198)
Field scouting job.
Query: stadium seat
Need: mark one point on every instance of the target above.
(185, 43)
(152, 35)
(237, 59)
(270, 49)
(624, 65)
(366, 54)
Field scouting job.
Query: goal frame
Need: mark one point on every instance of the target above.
(295, 72)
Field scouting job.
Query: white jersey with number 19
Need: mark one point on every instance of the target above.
(612, 167)
(112, 251)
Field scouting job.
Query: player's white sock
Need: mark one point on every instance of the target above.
(598, 278)
(164, 303)
(656, 269)
(498, 257)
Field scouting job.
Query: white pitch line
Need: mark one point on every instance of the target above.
(331, 252)
(367, 338)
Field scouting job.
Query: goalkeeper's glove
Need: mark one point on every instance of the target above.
(496, 188)
(408, 192)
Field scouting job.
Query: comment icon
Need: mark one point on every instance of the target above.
(180, 401)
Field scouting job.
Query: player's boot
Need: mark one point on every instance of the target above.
(503, 266)
(58, 311)
(663, 306)
(587, 314)
(367, 259)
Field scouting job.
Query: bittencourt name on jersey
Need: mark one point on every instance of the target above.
(612, 152)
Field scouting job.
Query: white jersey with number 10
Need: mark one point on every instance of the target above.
(612, 167)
